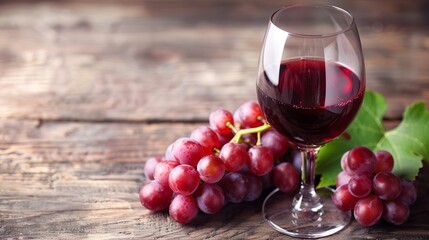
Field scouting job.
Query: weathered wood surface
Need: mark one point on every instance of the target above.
(178, 60)
(89, 90)
(80, 180)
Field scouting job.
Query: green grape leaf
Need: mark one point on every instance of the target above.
(408, 142)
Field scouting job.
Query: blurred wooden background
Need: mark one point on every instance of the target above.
(90, 89)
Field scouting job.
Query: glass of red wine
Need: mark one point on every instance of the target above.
(311, 83)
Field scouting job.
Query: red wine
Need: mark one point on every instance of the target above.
(313, 101)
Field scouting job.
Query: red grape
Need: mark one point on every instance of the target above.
(368, 210)
(260, 161)
(276, 142)
(162, 171)
(207, 138)
(235, 186)
(210, 198)
(234, 156)
(361, 160)
(343, 199)
(150, 165)
(254, 187)
(387, 186)
(408, 194)
(155, 196)
(184, 179)
(188, 151)
(384, 161)
(218, 120)
(244, 169)
(211, 169)
(342, 178)
(285, 177)
(396, 212)
(183, 209)
(245, 145)
(360, 186)
(224, 138)
(237, 119)
(267, 181)
(367, 184)
(169, 153)
(344, 164)
(250, 139)
(250, 114)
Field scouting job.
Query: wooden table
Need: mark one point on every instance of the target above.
(89, 90)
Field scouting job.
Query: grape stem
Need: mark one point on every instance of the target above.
(216, 150)
(258, 142)
(241, 132)
(233, 128)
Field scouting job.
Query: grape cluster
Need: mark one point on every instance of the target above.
(231, 160)
(369, 188)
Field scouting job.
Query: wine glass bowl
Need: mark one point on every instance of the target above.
(311, 83)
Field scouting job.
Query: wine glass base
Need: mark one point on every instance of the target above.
(277, 210)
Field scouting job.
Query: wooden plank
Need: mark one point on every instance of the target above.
(68, 62)
(115, 68)
(77, 180)
(81, 180)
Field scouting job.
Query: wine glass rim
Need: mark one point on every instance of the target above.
(331, 34)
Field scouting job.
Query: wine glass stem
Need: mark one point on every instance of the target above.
(307, 206)
(309, 156)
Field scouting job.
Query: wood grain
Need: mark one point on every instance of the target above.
(177, 60)
(81, 180)
(90, 90)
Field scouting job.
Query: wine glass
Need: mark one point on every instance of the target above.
(311, 83)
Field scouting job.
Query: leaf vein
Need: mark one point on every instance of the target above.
(373, 116)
